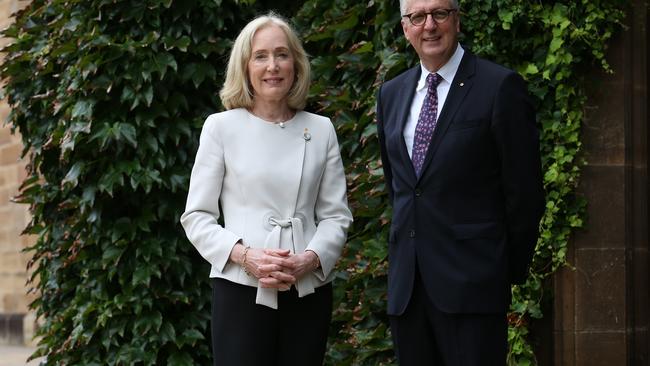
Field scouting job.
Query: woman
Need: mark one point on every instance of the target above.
(276, 170)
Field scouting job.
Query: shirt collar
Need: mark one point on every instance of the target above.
(447, 71)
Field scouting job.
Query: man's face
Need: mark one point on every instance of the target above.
(434, 41)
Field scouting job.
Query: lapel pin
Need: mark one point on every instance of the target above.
(306, 135)
(462, 85)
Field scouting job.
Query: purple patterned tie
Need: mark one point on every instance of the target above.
(426, 123)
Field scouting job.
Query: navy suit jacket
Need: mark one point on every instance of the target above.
(469, 223)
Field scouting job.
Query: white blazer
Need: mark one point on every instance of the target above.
(279, 185)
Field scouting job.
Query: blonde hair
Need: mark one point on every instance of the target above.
(237, 91)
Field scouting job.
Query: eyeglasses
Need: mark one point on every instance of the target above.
(418, 18)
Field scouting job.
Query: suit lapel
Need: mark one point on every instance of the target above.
(407, 91)
(460, 86)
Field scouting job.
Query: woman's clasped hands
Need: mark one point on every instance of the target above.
(275, 268)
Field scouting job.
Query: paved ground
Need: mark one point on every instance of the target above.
(16, 356)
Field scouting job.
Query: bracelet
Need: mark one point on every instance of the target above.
(317, 260)
(243, 261)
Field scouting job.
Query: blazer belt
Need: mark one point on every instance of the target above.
(305, 286)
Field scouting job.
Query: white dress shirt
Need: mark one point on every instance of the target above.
(447, 72)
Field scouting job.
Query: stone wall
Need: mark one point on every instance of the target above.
(13, 219)
(601, 306)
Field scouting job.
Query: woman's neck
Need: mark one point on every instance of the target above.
(272, 111)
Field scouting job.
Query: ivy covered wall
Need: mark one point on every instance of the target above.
(110, 95)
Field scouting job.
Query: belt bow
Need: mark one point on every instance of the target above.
(305, 286)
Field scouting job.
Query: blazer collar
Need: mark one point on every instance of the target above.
(447, 71)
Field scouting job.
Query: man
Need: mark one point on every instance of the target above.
(460, 153)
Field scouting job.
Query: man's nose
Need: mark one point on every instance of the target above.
(429, 23)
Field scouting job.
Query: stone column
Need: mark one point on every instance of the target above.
(601, 307)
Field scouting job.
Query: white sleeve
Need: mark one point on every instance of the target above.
(332, 213)
(199, 220)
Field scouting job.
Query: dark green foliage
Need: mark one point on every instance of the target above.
(109, 97)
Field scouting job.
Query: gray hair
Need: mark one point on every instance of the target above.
(402, 5)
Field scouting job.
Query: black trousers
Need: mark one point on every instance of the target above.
(247, 334)
(426, 336)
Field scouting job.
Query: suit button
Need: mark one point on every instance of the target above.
(412, 233)
(418, 192)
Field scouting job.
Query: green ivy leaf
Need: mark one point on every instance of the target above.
(180, 359)
(83, 108)
(72, 177)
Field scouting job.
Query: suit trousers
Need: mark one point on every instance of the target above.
(247, 334)
(426, 336)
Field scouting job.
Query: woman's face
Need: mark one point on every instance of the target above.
(270, 68)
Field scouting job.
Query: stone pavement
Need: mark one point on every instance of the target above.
(16, 356)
